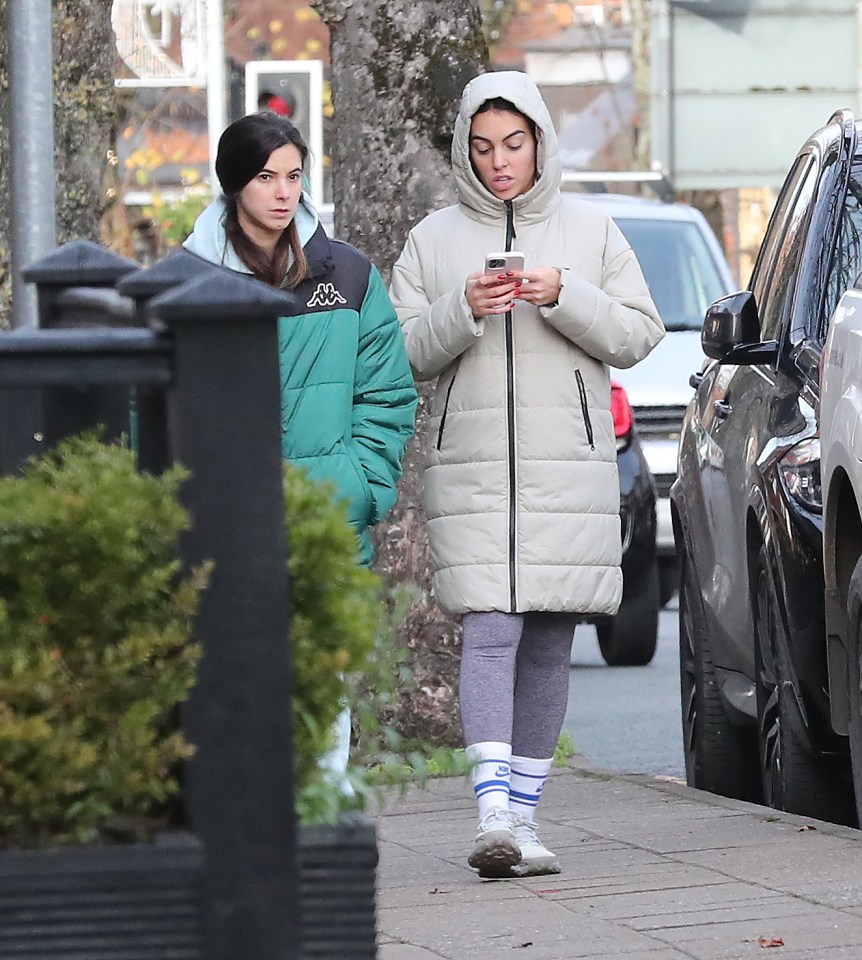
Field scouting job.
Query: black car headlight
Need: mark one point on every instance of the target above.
(800, 471)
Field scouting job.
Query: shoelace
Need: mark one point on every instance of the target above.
(497, 815)
(524, 826)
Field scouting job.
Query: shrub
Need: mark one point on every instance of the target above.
(335, 615)
(95, 651)
(345, 650)
(175, 219)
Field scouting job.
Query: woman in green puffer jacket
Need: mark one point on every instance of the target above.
(348, 397)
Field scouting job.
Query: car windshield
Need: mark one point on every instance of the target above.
(682, 275)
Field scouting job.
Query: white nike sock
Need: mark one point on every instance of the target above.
(490, 764)
(526, 784)
(334, 762)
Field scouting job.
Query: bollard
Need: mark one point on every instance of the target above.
(150, 438)
(225, 426)
(65, 273)
(145, 283)
(75, 288)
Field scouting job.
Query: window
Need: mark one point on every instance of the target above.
(778, 263)
(846, 264)
(679, 269)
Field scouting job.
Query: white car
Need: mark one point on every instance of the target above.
(686, 271)
(840, 424)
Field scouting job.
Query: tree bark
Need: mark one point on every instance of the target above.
(398, 69)
(85, 113)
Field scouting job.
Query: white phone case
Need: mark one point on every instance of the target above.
(503, 262)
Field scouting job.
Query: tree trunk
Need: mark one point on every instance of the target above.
(398, 69)
(641, 68)
(85, 108)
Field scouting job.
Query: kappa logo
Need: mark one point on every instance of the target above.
(325, 296)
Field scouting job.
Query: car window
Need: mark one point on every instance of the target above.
(678, 266)
(773, 280)
(847, 262)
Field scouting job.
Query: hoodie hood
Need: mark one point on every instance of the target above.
(209, 241)
(544, 196)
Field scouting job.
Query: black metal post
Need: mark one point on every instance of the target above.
(151, 403)
(75, 289)
(225, 426)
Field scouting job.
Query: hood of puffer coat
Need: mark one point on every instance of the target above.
(209, 240)
(477, 200)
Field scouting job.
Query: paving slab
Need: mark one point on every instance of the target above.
(652, 869)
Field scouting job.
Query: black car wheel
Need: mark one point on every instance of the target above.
(629, 639)
(719, 756)
(793, 778)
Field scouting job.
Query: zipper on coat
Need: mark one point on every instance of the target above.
(582, 390)
(445, 409)
(510, 415)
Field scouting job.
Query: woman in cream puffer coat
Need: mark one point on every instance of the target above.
(521, 487)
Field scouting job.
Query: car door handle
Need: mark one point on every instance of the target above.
(722, 409)
(695, 380)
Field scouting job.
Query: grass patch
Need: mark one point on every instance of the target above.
(433, 762)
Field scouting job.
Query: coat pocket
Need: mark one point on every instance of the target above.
(585, 409)
(445, 411)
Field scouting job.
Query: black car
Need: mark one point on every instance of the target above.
(629, 638)
(747, 506)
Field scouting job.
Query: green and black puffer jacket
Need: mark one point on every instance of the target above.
(348, 397)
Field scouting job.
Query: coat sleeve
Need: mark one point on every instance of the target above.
(437, 331)
(617, 323)
(384, 396)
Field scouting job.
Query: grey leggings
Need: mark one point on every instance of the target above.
(515, 679)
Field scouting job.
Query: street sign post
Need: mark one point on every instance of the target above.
(31, 88)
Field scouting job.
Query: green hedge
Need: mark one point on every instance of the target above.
(96, 648)
(95, 645)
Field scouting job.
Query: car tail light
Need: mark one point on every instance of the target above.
(622, 414)
(800, 471)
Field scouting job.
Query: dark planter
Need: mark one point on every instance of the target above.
(337, 871)
(124, 902)
(144, 901)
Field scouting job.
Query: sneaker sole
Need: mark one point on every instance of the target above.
(495, 857)
(535, 868)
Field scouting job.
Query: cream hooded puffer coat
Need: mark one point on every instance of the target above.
(521, 487)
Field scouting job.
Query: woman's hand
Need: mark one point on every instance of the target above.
(491, 294)
(540, 287)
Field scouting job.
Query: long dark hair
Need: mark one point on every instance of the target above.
(243, 150)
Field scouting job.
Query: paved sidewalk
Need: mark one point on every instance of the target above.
(652, 870)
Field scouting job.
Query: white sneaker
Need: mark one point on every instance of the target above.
(495, 851)
(536, 859)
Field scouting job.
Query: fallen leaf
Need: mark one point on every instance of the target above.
(529, 943)
(770, 941)
(805, 827)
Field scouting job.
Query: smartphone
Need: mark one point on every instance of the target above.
(503, 262)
